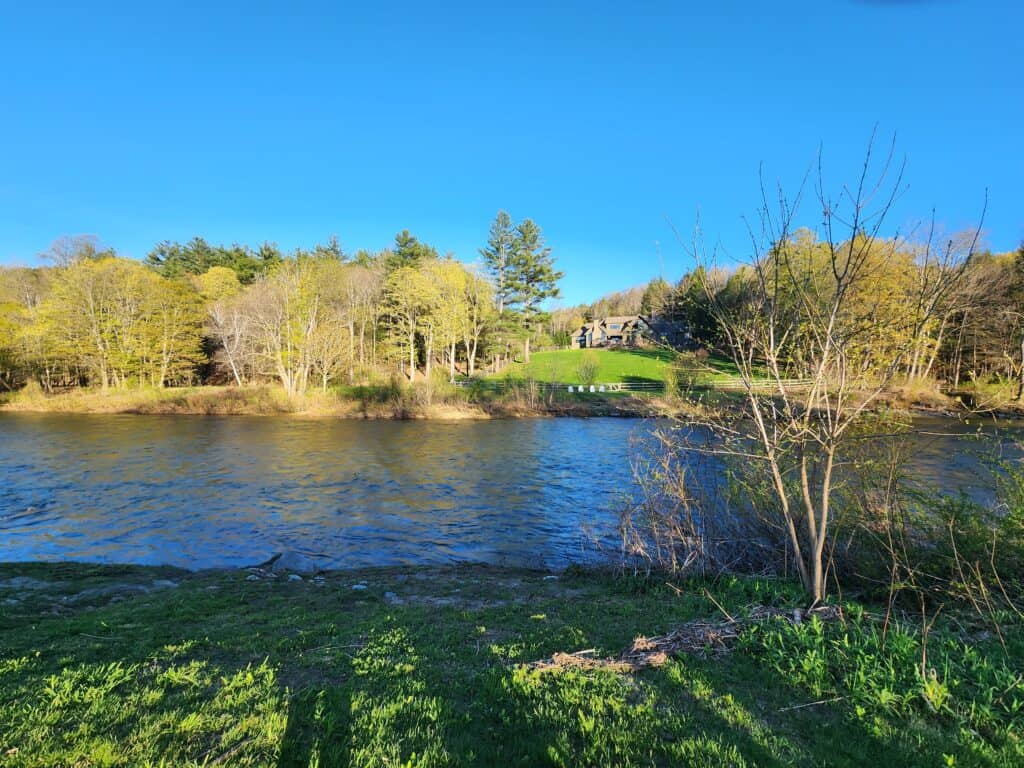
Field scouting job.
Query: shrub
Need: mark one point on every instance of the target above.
(586, 369)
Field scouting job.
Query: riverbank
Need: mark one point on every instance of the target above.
(437, 666)
(446, 403)
(440, 402)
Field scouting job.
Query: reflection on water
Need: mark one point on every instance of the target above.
(205, 492)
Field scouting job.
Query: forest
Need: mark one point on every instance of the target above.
(197, 313)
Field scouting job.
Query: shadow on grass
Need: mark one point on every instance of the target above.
(651, 353)
(287, 675)
(318, 730)
(629, 379)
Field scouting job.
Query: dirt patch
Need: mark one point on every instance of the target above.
(700, 637)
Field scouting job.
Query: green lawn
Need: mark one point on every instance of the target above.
(614, 365)
(427, 667)
(623, 365)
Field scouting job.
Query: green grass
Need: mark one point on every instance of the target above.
(224, 671)
(625, 365)
(614, 365)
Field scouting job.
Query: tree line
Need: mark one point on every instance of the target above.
(973, 334)
(201, 313)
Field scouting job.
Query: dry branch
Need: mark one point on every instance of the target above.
(699, 637)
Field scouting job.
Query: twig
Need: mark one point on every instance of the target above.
(812, 704)
(718, 605)
(97, 637)
(325, 647)
(231, 752)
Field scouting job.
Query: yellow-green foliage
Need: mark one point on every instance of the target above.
(119, 322)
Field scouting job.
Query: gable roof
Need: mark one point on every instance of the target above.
(627, 322)
(620, 319)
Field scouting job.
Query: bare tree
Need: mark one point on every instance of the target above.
(230, 326)
(817, 329)
(68, 249)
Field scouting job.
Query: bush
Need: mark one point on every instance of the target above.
(588, 366)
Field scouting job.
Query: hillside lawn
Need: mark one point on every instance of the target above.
(614, 365)
(620, 365)
(127, 666)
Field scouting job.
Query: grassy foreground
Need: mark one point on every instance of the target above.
(108, 666)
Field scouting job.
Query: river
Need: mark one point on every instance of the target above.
(202, 492)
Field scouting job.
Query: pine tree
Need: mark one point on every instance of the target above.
(408, 252)
(532, 278)
(656, 298)
(498, 255)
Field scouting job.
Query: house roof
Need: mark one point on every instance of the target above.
(620, 319)
(623, 320)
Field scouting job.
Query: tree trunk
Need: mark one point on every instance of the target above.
(938, 345)
(412, 356)
(1020, 377)
(362, 339)
(351, 350)
(430, 352)
(234, 370)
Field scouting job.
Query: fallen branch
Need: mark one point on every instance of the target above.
(812, 704)
(718, 605)
(700, 637)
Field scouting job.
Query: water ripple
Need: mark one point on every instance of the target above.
(208, 492)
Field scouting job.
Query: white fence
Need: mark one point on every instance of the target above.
(547, 386)
(761, 386)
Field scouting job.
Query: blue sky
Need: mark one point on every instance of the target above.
(294, 121)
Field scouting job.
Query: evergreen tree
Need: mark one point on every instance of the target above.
(692, 307)
(498, 255)
(532, 278)
(656, 299)
(330, 250)
(408, 252)
(196, 257)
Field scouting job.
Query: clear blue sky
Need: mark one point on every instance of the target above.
(291, 122)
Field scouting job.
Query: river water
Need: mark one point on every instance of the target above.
(210, 492)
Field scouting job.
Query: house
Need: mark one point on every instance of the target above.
(671, 333)
(620, 330)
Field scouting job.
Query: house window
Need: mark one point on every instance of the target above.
(614, 326)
